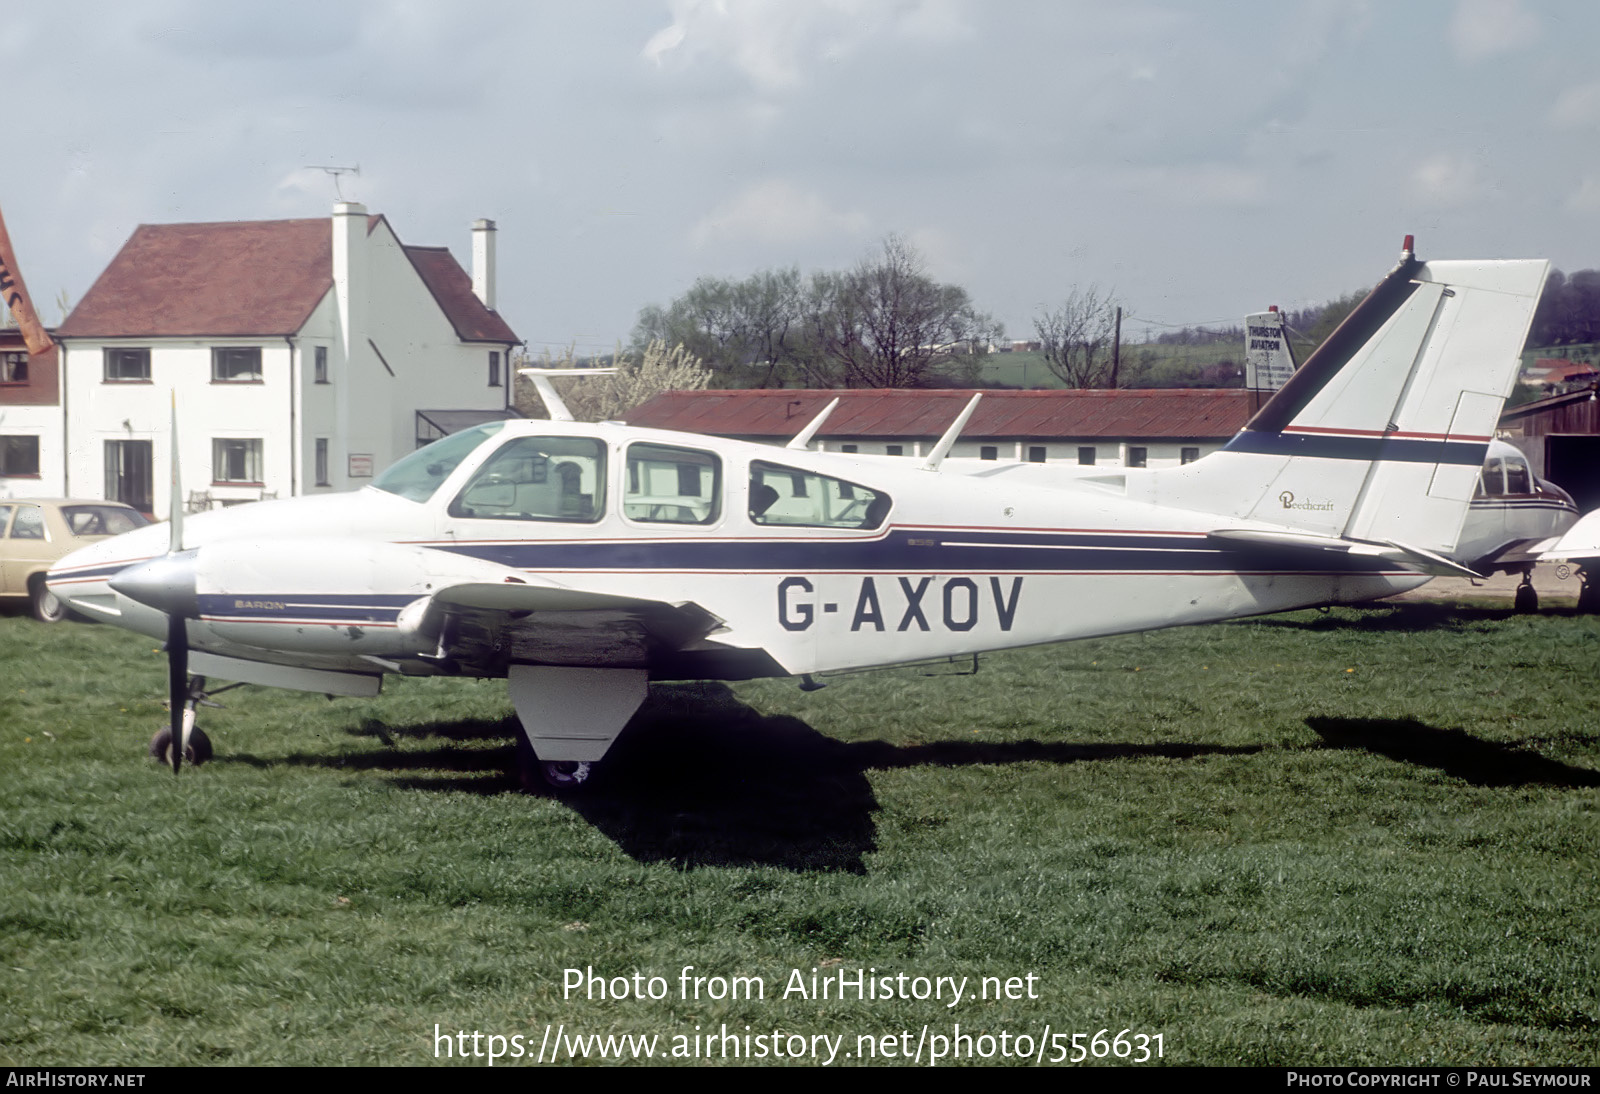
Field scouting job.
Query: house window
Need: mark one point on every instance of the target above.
(1137, 456)
(849, 448)
(236, 461)
(1189, 455)
(989, 452)
(322, 462)
(128, 474)
(236, 365)
(124, 365)
(19, 457)
(13, 368)
(319, 367)
(494, 368)
(897, 450)
(1086, 456)
(1036, 453)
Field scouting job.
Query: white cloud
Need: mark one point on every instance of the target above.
(1447, 180)
(1577, 108)
(776, 45)
(1483, 28)
(1586, 198)
(775, 212)
(1201, 184)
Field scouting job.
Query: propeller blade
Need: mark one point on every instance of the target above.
(178, 683)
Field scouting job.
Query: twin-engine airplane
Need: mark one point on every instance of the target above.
(581, 561)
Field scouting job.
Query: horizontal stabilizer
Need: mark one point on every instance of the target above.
(1413, 558)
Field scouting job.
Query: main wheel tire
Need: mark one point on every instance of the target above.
(47, 607)
(1527, 600)
(198, 752)
(566, 774)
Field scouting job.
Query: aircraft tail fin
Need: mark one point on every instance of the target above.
(1379, 437)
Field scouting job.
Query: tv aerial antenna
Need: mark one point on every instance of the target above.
(335, 172)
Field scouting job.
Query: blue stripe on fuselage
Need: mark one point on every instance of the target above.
(1336, 447)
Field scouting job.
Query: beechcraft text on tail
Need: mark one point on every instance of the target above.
(581, 561)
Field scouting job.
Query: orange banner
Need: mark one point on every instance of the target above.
(15, 295)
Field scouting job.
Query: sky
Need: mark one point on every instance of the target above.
(1198, 160)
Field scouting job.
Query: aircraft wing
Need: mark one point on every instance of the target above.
(565, 626)
(1581, 541)
(1312, 546)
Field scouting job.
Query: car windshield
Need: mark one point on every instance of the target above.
(101, 520)
(418, 475)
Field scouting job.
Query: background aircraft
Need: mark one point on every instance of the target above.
(579, 561)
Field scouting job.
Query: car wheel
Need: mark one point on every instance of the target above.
(47, 606)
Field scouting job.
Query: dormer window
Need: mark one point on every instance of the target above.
(236, 365)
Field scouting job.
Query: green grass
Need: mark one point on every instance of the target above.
(1367, 837)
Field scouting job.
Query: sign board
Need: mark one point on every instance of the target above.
(1268, 364)
(361, 465)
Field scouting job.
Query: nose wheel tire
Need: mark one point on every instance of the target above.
(197, 752)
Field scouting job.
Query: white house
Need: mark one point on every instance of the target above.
(304, 355)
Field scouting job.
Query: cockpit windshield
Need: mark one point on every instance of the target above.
(418, 475)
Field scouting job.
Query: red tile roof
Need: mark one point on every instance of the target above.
(452, 288)
(247, 278)
(776, 412)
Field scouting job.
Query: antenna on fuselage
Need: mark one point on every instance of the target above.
(942, 449)
(803, 438)
(540, 378)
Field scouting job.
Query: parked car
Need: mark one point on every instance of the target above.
(34, 532)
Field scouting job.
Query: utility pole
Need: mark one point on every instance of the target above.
(1116, 347)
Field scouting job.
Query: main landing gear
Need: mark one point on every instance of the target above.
(1527, 598)
(569, 718)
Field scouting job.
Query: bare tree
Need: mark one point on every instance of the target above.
(888, 324)
(1076, 337)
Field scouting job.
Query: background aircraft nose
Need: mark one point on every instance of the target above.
(165, 583)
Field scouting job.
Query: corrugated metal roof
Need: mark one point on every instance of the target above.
(774, 412)
(247, 278)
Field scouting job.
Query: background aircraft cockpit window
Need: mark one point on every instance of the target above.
(789, 496)
(538, 478)
(1518, 480)
(672, 485)
(1505, 475)
(418, 475)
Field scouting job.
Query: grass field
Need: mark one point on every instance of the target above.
(1365, 837)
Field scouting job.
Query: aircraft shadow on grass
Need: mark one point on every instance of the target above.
(702, 779)
(1399, 618)
(1452, 751)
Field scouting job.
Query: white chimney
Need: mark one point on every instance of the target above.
(483, 261)
(350, 274)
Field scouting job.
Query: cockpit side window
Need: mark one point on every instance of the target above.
(418, 475)
(1493, 479)
(1518, 478)
(538, 478)
(788, 496)
(668, 485)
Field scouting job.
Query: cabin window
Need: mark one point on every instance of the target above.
(988, 452)
(124, 365)
(13, 368)
(1138, 456)
(669, 485)
(236, 461)
(538, 478)
(1518, 478)
(19, 456)
(236, 365)
(1086, 456)
(788, 496)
